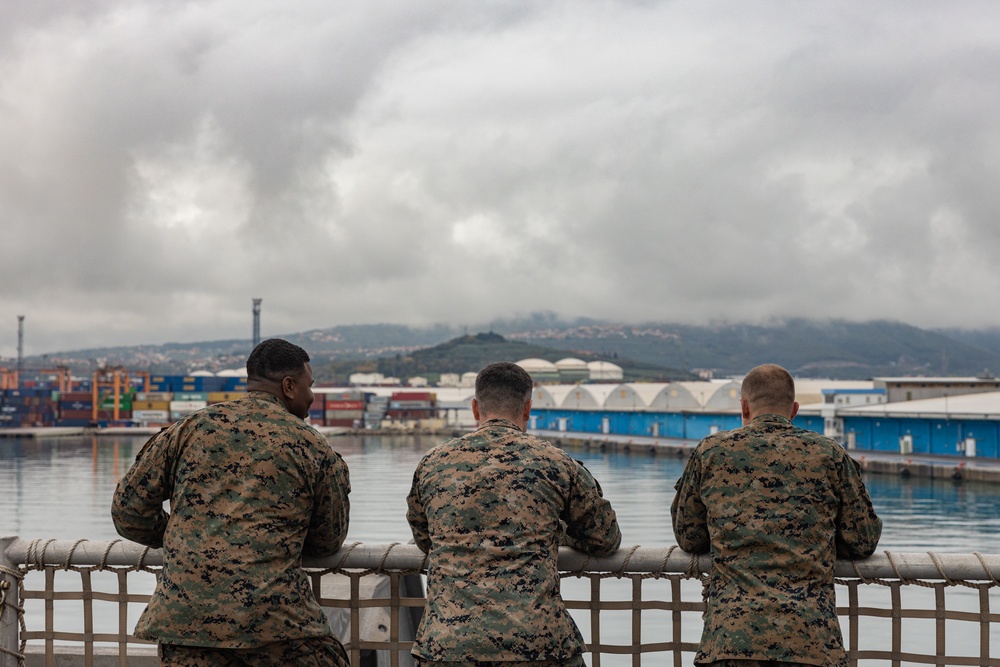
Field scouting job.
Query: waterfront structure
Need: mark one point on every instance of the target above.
(857, 414)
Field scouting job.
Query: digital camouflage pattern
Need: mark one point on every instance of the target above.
(252, 489)
(308, 652)
(775, 504)
(575, 661)
(490, 508)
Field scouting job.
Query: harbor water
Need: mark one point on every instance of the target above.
(61, 488)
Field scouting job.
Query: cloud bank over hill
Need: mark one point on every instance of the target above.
(161, 163)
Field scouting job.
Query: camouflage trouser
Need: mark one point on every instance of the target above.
(310, 652)
(576, 661)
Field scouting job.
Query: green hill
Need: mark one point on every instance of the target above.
(470, 353)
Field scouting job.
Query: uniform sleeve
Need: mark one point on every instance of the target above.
(591, 524)
(331, 509)
(416, 515)
(688, 512)
(858, 527)
(137, 506)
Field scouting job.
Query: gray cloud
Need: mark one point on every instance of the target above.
(163, 162)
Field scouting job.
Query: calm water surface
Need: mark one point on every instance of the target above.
(62, 487)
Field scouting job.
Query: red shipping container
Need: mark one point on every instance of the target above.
(319, 401)
(412, 396)
(345, 405)
(71, 396)
(75, 414)
(349, 423)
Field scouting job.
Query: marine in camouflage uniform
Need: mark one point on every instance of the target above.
(490, 509)
(252, 489)
(775, 505)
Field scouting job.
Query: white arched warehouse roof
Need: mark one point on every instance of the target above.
(584, 396)
(571, 363)
(202, 374)
(550, 395)
(675, 397)
(633, 395)
(719, 396)
(605, 370)
(233, 373)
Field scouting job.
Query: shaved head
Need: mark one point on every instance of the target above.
(768, 388)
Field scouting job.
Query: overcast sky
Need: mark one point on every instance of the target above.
(164, 162)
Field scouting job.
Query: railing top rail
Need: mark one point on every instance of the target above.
(629, 560)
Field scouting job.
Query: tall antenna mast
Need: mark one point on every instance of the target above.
(20, 348)
(256, 322)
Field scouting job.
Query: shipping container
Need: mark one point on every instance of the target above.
(412, 396)
(71, 396)
(73, 422)
(234, 384)
(76, 414)
(344, 414)
(151, 415)
(223, 396)
(187, 407)
(345, 405)
(191, 396)
(349, 423)
(76, 405)
(154, 396)
(407, 405)
(150, 405)
(350, 395)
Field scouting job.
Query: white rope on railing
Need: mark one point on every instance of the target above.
(34, 554)
(636, 563)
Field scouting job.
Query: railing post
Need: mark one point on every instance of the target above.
(9, 622)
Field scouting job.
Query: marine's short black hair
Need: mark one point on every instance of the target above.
(503, 388)
(275, 358)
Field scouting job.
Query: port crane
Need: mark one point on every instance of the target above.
(9, 378)
(115, 382)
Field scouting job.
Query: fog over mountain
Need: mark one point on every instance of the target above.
(163, 163)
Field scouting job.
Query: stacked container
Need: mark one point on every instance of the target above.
(317, 411)
(152, 408)
(346, 408)
(75, 408)
(411, 405)
(26, 407)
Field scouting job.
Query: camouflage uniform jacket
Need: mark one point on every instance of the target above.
(252, 489)
(488, 509)
(775, 504)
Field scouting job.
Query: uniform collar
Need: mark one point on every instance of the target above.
(265, 396)
(772, 418)
(499, 423)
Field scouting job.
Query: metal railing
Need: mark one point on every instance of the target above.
(639, 606)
